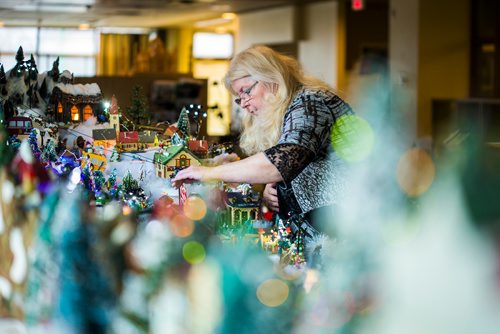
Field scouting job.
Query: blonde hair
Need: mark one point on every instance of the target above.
(284, 77)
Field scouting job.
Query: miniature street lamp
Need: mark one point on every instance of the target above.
(42, 134)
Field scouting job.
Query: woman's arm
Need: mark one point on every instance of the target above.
(254, 169)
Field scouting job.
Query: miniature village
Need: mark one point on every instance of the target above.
(67, 159)
(46, 110)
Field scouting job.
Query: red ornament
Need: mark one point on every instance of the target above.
(268, 215)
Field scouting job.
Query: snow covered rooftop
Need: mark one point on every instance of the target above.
(80, 89)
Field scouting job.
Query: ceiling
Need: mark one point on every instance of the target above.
(124, 13)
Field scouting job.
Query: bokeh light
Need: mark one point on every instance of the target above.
(352, 138)
(195, 208)
(126, 210)
(272, 292)
(164, 208)
(415, 172)
(193, 252)
(181, 226)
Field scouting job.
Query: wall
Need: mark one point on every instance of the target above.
(429, 58)
(443, 55)
(318, 44)
(272, 26)
(403, 63)
(313, 27)
(367, 28)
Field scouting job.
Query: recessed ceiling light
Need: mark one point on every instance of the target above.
(51, 8)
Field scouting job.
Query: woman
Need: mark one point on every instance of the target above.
(286, 133)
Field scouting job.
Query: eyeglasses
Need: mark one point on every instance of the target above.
(245, 94)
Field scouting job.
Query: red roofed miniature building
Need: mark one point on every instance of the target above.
(129, 140)
(198, 147)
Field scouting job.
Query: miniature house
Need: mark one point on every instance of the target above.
(128, 141)
(198, 147)
(104, 137)
(148, 139)
(242, 207)
(75, 102)
(172, 158)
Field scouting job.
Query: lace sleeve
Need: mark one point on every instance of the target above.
(289, 159)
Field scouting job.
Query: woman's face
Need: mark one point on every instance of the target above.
(250, 94)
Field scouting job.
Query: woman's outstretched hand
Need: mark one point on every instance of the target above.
(190, 174)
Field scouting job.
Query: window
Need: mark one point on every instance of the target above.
(244, 216)
(59, 108)
(87, 112)
(209, 45)
(75, 115)
(183, 161)
(236, 216)
(77, 49)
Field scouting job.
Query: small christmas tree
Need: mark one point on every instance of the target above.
(3, 78)
(54, 72)
(19, 68)
(49, 152)
(177, 140)
(14, 143)
(33, 140)
(112, 184)
(130, 185)
(6, 152)
(99, 180)
(138, 112)
(183, 123)
(115, 156)
(20, 55)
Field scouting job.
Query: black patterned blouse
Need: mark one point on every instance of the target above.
(313, 175)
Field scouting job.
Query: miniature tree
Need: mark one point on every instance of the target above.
(33, 71)
(87, 177)
(177, 140)
(32, 81)
(3, 78)
(20, 55)
(130, 185)
(54, 72)
(19, 68)
(112, 184)
(115, 156)
(14, 143)
(183, 123)
(99, 180)
(138, 112)
(5, 148)
(49, 152)
(33, 140)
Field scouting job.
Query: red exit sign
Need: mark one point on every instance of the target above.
(357, 4)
